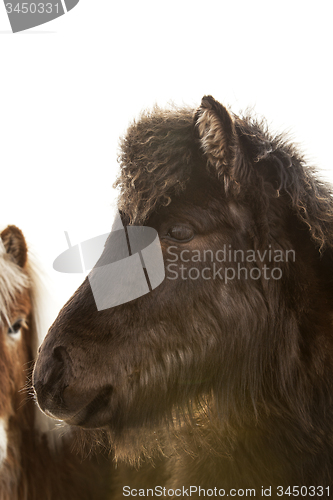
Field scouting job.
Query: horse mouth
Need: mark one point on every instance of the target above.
(93, 415)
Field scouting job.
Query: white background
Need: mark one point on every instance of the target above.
(69, 89)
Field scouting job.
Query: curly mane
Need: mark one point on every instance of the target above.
(160, 150)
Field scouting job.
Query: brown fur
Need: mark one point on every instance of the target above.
(225, 385)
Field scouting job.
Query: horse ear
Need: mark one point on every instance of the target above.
(15, 244)
(235, 149)
(217, 134)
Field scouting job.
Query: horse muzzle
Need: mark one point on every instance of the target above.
(58, 392)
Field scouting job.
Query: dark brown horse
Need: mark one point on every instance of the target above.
(226, 369)
(36, 461)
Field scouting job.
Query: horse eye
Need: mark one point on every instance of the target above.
(180, 233)
(15, 328)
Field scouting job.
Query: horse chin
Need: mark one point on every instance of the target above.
(130, 446)
(92, 413)
(87, 420)
(95, 414)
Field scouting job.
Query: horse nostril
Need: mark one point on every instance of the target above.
(61, 364)
(59, 353)
(56, 372)
(52, 375)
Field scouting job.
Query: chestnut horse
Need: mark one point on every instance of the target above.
(223, 374)
(34, 464)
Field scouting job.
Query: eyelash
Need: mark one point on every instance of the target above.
(16, 327)
(187, 229)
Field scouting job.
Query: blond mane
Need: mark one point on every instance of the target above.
(15, 280)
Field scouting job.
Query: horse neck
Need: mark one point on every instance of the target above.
(12, 471)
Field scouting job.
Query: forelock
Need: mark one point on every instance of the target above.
(13, 281)
(156, 161)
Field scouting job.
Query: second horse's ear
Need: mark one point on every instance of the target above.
(15, 244)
